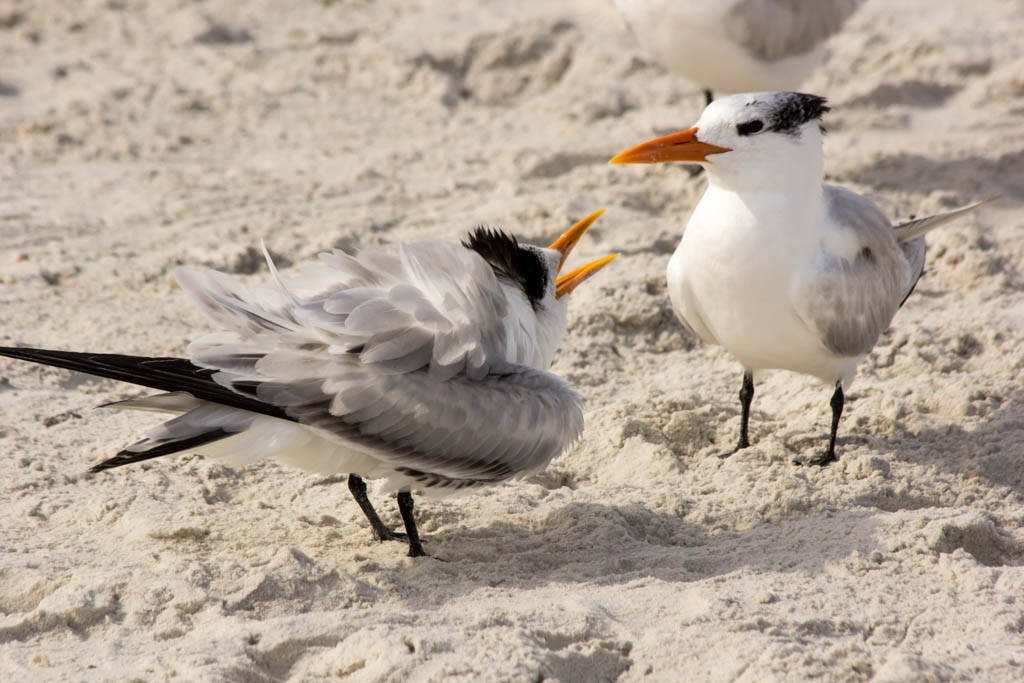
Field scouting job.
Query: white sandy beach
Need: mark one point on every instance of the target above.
(135, 137)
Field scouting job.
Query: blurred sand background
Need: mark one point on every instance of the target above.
(136, 136)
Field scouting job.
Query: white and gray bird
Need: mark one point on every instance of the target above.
(784, 271)
(424, 364)
(735, 46)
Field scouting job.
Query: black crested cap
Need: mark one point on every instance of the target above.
(793, 109)
(511, 262)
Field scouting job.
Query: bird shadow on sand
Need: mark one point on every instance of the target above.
(992, 453)
(598, 543)
(602, 544)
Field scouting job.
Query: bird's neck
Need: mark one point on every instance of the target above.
(550, 331)
(784, 210)
(532, 337)
(800, 178)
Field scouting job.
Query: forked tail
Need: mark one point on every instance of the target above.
(913, 229)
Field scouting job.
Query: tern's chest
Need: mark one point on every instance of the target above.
(734, 251)
(733, 271)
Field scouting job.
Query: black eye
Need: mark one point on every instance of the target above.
(750, 127)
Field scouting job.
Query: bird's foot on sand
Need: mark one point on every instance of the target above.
(734, 451)
(386, 534)
(744, 442)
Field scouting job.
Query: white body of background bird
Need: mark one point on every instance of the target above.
(731, 46)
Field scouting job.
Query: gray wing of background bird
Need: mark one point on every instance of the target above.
(849, 299)
(398, 355)
(776, 29)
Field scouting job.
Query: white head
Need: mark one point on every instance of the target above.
(749, 141)
(537, 295)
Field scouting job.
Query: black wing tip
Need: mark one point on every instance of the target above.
(164, 373)
(61, 359)
(124, 457)
(128, 457)
(20, 352)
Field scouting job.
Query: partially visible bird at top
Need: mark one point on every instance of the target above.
(730, 46)
(425, 364)
(784, 271)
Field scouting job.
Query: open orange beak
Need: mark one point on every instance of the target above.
(568, 282)
(567, 241)
(682, 146)
(571, 280)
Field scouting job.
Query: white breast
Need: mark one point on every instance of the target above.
(731, 280)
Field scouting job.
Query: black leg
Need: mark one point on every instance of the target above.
(746, 398)
(829, 456)
(380, 530)
(709, 97)
(405, 506)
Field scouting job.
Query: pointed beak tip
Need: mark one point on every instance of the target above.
(626, 157)
(570, 281)
(570, 237)
(682, 146)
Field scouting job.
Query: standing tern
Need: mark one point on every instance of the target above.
(737, 45)
(424, 364)
(782, 270)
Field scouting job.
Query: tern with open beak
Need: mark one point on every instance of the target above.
(424, 364)
(782, 270)
(737, 45)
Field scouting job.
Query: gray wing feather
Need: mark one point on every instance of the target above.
(912, 229)
(910, 235)
(427, 304)
(204, 418)
(175, 402)
(914, 251)
(397, 355)
(776, 29)
(454, 433)
(850, 298)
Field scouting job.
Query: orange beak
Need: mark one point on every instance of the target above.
(567, 241)
(570, 281)
(682, 146)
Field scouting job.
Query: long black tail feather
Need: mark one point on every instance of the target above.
(165, 374)
(127, 457)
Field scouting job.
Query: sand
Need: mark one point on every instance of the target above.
(135, 137)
